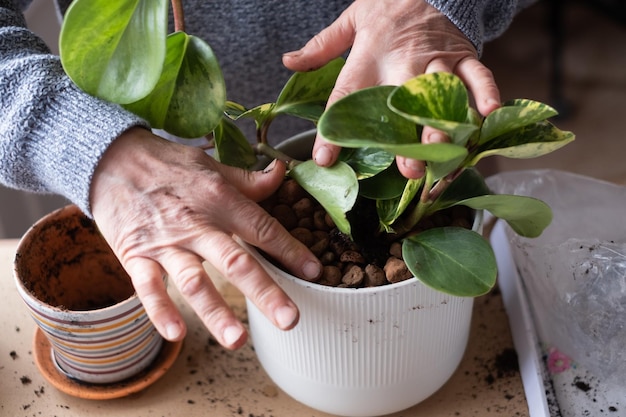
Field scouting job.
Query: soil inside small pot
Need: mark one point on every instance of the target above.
(66, 263)
(372, 259)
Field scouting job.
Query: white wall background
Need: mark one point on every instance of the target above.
(18, 210)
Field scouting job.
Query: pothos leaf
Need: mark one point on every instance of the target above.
(99, 49)
(386, 185)
(234, 110)
(190, 97)
(231, 146)
(513, 115)
(375, 125)
(470, 183)
(366, 162)
(335, 188)
(527, 216)
(438, 100)
(390, 210)
(453, 260)
(528, 141)
(306, 93)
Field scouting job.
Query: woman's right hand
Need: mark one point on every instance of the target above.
(164, 208)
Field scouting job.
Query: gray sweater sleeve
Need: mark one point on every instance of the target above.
(52, 135)
(480, 20)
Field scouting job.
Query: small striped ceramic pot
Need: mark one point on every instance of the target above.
(82, 300)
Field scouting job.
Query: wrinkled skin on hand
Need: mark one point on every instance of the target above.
(393, 41)
(164, 208)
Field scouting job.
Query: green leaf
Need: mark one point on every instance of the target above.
(386, 185)
(366, 162)
(305, 94)
(364, 119)
(513, 115)
(467, 185)
(234, 110)
(529, 141)
(438, 100)
(527, 216)
(390, 210)
(114, 49)
(453, 260)
(335, 188)
(231, 146)
(261, 114)
(190, 97)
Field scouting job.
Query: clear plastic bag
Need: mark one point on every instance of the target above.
(575, 272)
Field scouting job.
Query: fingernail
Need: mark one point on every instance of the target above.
(323, 156)
(232, 334)
(293, 54)
(311, 270)
(436, 137)
(411, 164)
(415, 168)
(270, 167)
(492, 102)
(285, 316)
(173, 331)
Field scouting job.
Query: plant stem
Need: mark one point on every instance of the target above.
(428, 184)
(267, 150)
(443, 183)
(179, 15)
(430, 193)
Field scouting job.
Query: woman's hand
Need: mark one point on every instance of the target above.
(165, 208)
(392, 41)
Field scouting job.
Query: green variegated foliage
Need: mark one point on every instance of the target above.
(304, 95)
(390, 119)
(120, 51)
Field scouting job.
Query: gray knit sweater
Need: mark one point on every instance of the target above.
(52, 135)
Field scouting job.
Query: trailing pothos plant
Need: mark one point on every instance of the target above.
(175, 82)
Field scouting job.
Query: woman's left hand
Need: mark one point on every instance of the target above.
(392, 41)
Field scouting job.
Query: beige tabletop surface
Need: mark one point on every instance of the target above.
(207, 380)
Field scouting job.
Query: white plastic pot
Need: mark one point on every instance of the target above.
(361, 352)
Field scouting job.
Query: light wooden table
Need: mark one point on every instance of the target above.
(209, 380)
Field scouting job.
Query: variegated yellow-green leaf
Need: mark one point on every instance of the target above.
(190, 97)
(527, 216)
(231, 146)
(453, 260)
(529, 141)
(260, 114)
(306, 93)
(114, 49)
(234, 110)
(438, 100)
(363, 119)
(390, 210)
(513, 115)
(335, 188)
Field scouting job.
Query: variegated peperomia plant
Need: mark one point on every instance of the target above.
(374, 125)
(175, 82)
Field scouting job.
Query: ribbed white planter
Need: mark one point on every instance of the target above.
(362, 352)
